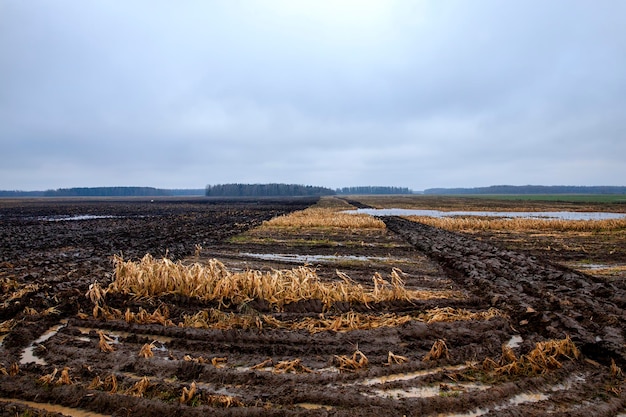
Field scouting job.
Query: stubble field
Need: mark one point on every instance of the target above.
(290, 307)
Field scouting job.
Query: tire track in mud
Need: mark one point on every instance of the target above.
(540, 297)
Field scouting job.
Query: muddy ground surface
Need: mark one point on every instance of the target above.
(50, 257)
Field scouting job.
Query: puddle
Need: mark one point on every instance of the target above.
(66, 218)
(546, 215)
(28, 355)
(515, 341)
(311, 406)
(318, 258)
(450, 389)
(526, 398)
(54, 408)
(410, 375)
(117, 334)
(517, 400)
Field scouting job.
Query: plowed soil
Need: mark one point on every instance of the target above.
(53, 250)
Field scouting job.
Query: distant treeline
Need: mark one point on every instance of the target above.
(374, 190)
(18, 193)
(530, 189)
(265, 190)
(105, 192)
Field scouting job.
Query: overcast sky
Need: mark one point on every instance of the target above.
(418, 94)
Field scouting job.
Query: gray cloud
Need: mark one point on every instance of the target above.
(334, 93)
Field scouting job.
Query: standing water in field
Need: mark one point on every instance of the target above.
(547, 215)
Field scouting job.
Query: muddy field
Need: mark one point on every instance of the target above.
(495, 324)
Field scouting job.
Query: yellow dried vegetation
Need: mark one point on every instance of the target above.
(188, 393)
(216, 319)
(146, 350)
(109, 384)
(13, 370)
(437, 351)
(7, 325)
(139, 388)
(293, 366)
(213, 281)
(225, 401)
(481, 224)
(353, 363)
(324, 217)
(63, 379)
(543, 358)
(19, 293)
(104, 344)
(450, 314)
(393, 359)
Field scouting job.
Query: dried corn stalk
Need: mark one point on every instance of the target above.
(295, 366)
(48, 378)
(352, 364)
(14, 369)
(188, 393)
(104, 344)
(146, 350)
(267, 362)
(64, 379)
(437, 351)
(393, 359)
(223, 401)
(139, 388)
(212, 281)
(219, 362)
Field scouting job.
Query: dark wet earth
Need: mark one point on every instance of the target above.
(49, 259)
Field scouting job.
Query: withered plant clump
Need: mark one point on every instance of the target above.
(393, 359)
(353, 363)
(139, 388)
(437, 351)
(213, 281)
(543, 358)
(294, 366)
(104, 344)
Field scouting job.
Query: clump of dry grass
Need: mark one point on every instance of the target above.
(324, 217)
(353, 363)
(14, 369)
(471, 223)
(543, 358)
(437, 351)
(213, 281)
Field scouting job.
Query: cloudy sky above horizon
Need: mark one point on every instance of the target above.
(411, 93)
